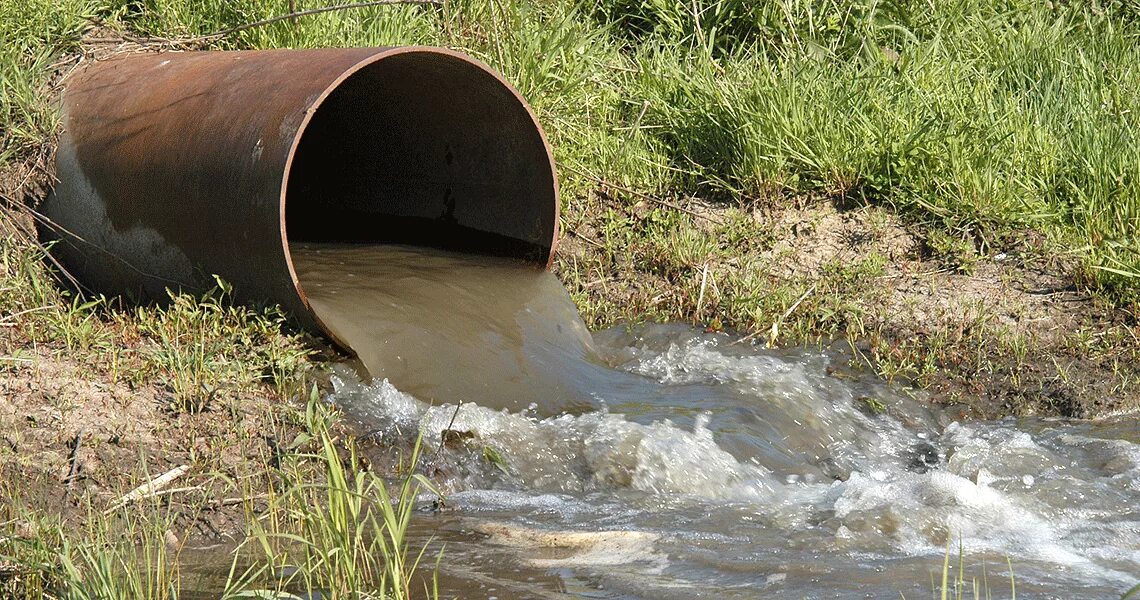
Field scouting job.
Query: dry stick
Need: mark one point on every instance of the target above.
(32, 237)
(73, 460)
(641, 195)
(593, 243)
(701, 296)
(290, 16)
(47, 222)
(216, 504)
(149, 487)
(442, 437)
(775, 330)
(169, 492)
(8, 319)
(305, 13)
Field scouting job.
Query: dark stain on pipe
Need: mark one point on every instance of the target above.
(179, 166)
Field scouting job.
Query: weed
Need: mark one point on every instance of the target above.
(951, 582)
(336, 530)
(200, 346)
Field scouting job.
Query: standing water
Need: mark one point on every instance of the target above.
(663, 462)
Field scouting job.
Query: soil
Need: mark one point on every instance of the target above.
(78, 440)
(1027, 298)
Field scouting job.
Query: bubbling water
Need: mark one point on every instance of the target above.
(692, 467)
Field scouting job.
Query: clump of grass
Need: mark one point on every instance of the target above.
(201, 345)
(326, 527)
(355, 544)
(956, 587)
(34, 34)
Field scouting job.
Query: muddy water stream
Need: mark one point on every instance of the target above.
(662, 462)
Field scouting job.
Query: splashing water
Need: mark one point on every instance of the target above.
(706, 469)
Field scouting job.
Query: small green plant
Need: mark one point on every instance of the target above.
(872, 405)
(355, 543)
(494, 457)
(203, 347)
(953, 250)
(956, 587)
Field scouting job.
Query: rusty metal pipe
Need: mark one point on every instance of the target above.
(176, 167)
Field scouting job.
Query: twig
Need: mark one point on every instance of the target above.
(593, 243)
(47, 222)
(641, 195)
(443, 437)
(214, 504)
(169, 492)
(292, 16)
(7, 320)
(601, 282)
(149, 488)
(704, 282)
(73, 461)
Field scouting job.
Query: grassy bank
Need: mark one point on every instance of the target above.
(699, 142)
(949, 188)
(988, 122)
(311, 520)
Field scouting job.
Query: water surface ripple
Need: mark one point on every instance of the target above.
(662, 462)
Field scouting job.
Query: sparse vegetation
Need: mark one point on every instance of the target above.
(954, 585)
(921, 180)
(319, 522)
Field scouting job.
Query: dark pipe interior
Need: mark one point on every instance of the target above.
(427, 149)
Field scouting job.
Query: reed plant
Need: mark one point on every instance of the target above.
(321, 525)
(354, 545)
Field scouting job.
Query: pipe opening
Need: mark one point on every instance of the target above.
(423, 147)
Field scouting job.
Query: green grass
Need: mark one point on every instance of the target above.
(199, 348)
(980, 120)
(324, 525)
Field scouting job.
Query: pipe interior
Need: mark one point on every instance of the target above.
(425, 149)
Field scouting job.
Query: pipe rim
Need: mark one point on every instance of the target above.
(315, 105)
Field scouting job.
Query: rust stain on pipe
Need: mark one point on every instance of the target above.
(176, 167)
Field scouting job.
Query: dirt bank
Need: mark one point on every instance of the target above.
(1010, 333)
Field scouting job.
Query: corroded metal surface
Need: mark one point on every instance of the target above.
(176, 167)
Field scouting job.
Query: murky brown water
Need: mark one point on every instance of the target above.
(691, 467)
(451, 327)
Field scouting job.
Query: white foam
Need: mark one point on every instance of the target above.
(595, 450)
(1035, 495)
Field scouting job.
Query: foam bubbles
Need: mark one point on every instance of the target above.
(729, 461)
